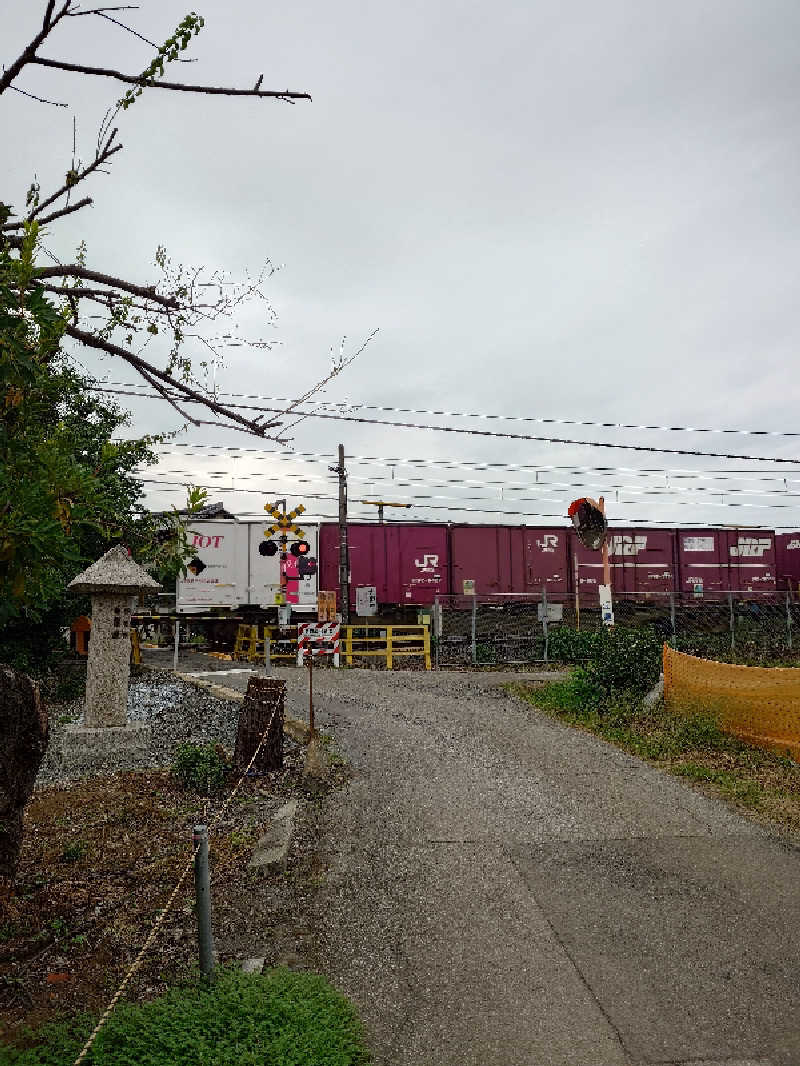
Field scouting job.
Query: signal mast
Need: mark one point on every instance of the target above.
(589, 519)
(283, 526)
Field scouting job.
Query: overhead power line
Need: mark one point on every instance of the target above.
(678, 473)
(488, 433)
(307, 477)
(414, 500)
(349, 406)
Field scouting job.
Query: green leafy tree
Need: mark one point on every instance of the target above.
(68, 481)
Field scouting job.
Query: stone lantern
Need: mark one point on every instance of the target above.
(114, 583)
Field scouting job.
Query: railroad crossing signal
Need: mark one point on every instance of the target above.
(283, 525)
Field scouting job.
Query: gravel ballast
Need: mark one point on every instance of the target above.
(177, 713)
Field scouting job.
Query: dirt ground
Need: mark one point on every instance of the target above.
(100, 859)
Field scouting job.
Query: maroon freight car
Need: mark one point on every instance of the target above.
(496, 559)
(407, 564)
(642, 561)
(713, 561)
(787, 561)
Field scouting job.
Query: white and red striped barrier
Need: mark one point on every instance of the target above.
(318, 638)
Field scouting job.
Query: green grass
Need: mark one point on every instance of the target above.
(691, 746)
(275, 1019)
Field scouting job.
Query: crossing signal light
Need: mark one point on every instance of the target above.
(300, 547)
(589, 522)
(267, 547)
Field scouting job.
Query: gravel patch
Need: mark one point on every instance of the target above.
(177, 712)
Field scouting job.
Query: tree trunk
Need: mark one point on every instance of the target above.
(23, 743)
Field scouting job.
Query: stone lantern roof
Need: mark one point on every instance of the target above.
(114, 572)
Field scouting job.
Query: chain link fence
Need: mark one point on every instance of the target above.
(756, 629)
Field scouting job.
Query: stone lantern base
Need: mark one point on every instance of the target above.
(104, 748)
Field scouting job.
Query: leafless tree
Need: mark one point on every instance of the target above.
(185, 302)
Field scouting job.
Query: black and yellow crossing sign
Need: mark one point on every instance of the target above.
(284, 523)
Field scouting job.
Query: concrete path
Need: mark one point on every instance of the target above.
(504, 891)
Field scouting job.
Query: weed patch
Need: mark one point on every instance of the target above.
(691, 746)
(281, 1018)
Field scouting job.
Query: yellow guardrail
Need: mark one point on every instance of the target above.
(758, 704)
(249, 645)
(395, 641)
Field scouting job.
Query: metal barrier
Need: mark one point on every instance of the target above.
(484, 630)
(758, 704)
(395, 641)
(249, 646)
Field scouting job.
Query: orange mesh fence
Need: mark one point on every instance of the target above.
(758, 704)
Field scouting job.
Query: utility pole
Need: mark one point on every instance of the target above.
(344, 554)
(380, 504)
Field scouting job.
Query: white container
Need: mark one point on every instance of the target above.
(228, 570)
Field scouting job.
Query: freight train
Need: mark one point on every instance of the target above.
(411, 564)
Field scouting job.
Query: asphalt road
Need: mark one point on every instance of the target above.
(504, 891)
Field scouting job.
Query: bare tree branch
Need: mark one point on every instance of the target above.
(55, 214)
(162, 391)
(105, 153)
(30, 52)
(100, 10)
(75, 270)
(185, 391)
(130, 30)
(131, 79)
(48, 14)
(33, 96)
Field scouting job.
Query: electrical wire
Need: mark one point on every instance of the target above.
(488, 433)
(282, 455)
(347, 406)
(307, 478)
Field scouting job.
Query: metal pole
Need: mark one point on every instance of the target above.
(788, 621)
(311, 690)
(672, 612)
(437, 630)
(474, 614)
(544, 619)
(202, 895)
(344, 554)
(577, 598)
(177, 644)
(733, 622)
(267, 654)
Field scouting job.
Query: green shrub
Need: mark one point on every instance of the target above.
(570, 646)
(625, 660)
(279, 1018)
(200, 767)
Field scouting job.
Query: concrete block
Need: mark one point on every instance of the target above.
(253, 965)
(112, 747)
(272, 849)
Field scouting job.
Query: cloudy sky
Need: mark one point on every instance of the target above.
(582, 211)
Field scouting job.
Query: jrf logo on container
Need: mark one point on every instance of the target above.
(750, 547)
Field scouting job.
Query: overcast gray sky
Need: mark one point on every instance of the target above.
(579, 210)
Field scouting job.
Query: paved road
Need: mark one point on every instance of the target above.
(502, 890)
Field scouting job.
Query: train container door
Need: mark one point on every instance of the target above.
(217, 573)
(787, 561)
(545, 561)
(368, 560)
(702, 563)
(264, 575)
(367, 552)
(488, 558)
(751, 560)
(417, 563)
(642, 561)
